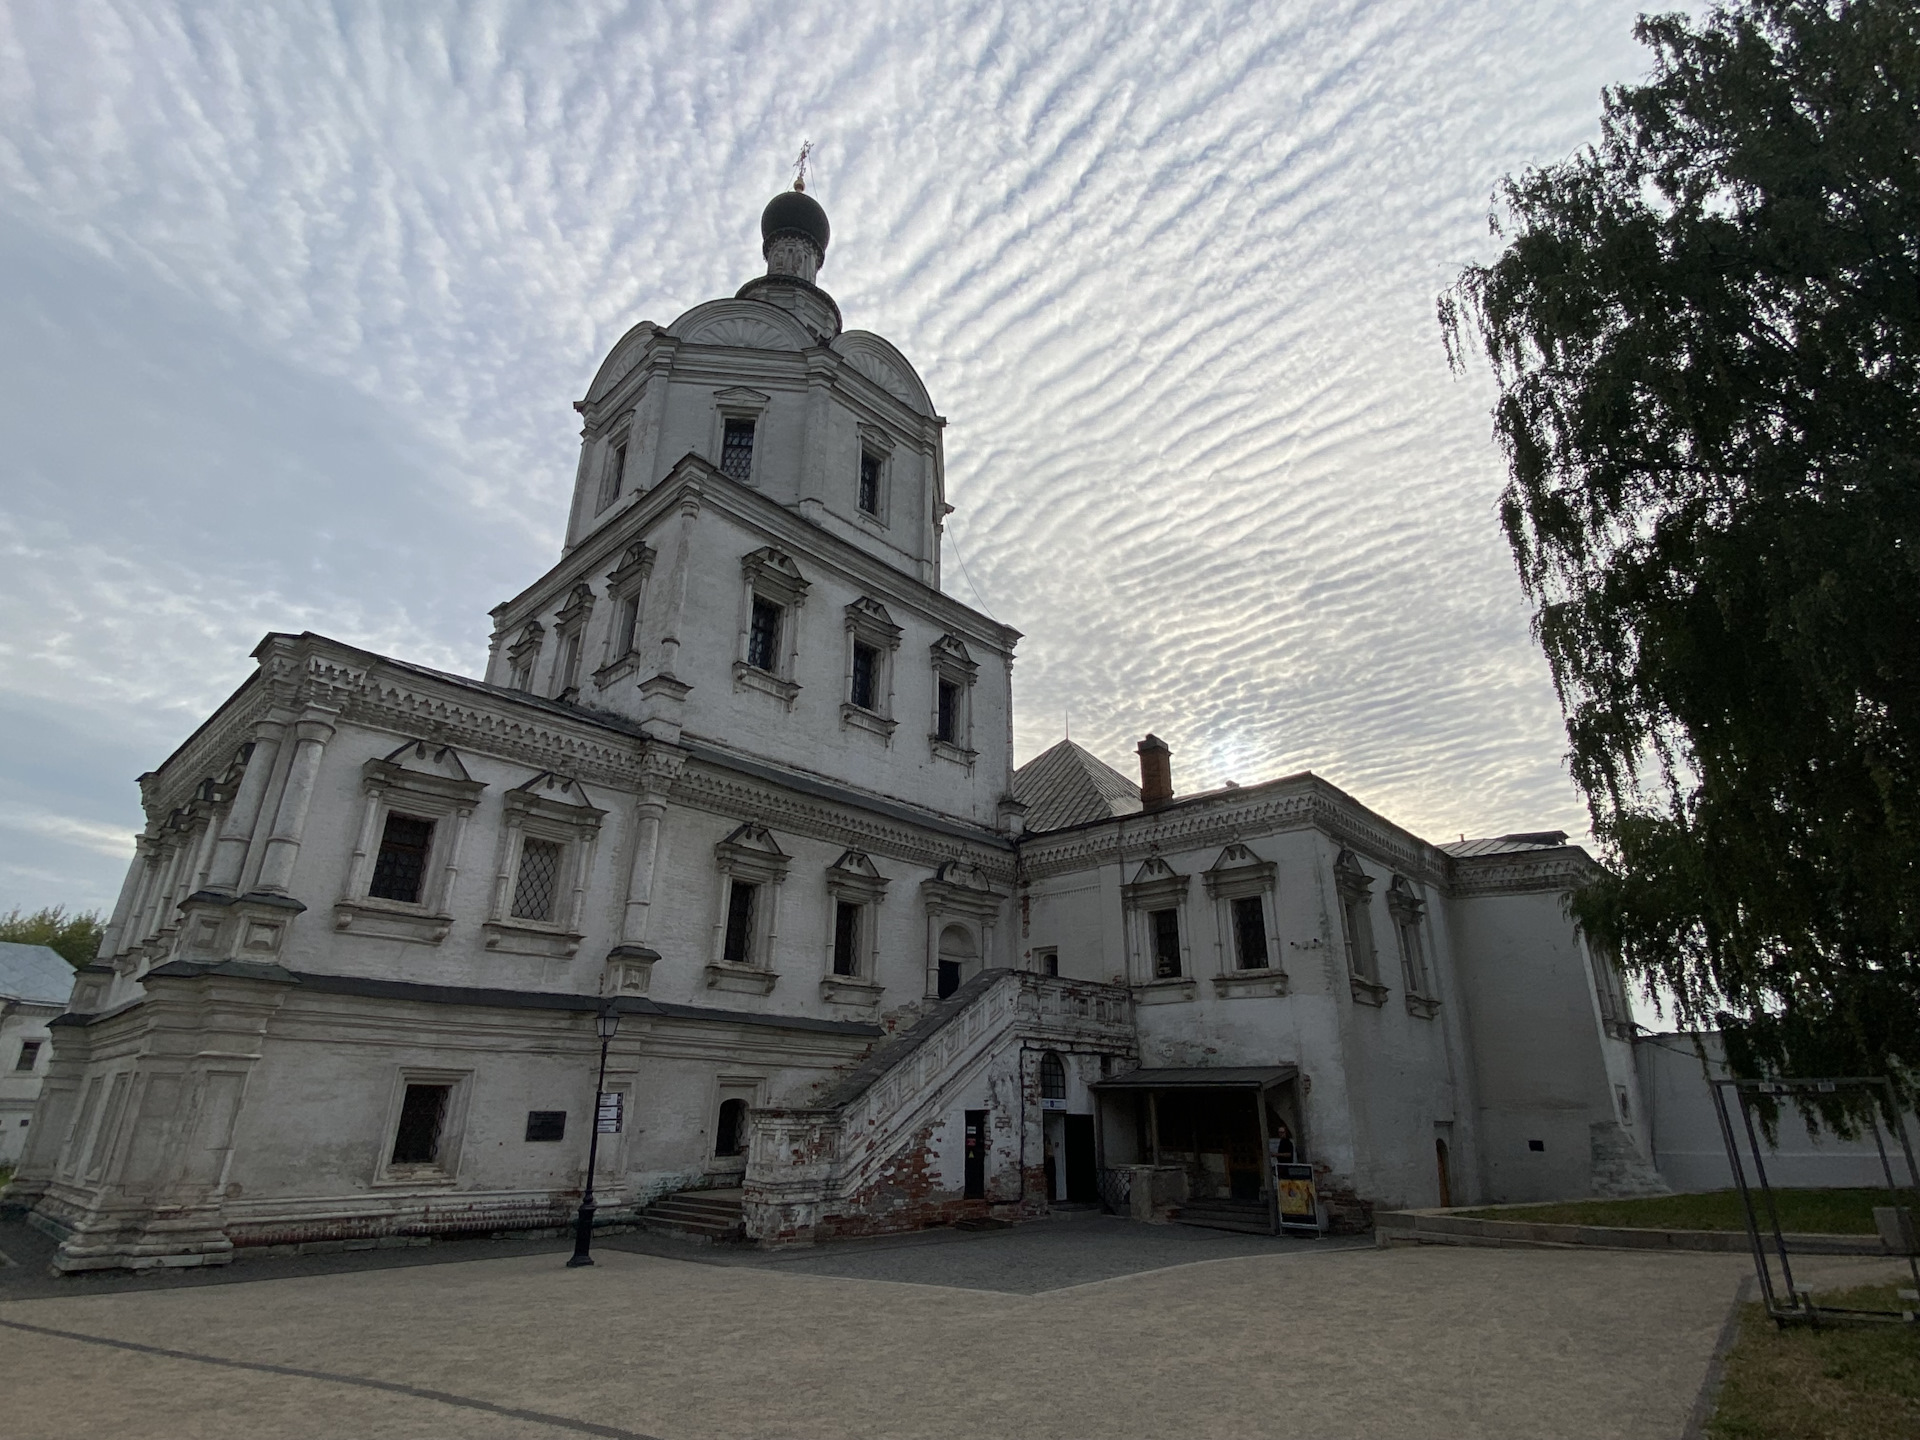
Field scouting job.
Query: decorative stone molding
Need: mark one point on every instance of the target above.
(431, 782)
(555, 809)
(869, 624)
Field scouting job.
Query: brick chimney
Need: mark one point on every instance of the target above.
(1156, 772)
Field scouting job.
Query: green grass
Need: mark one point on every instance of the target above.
(1840, 1382)
(1805, 1212)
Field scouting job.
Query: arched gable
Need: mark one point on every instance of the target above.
(742, 325)
(881, 363)
(621, 359)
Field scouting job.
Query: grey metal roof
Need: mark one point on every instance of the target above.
(1507, 844)
(1206, 1077)
(35, 974)
(1069, 786)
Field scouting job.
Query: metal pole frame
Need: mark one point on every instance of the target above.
(1798, 1305)
(583, 1226)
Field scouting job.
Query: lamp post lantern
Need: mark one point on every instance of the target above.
(607, 1023)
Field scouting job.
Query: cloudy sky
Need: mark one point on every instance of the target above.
(294, 300)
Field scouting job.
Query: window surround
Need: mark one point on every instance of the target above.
(771, 575)
(752, 856)
(570, 626)
(951, 662)
(424, 780)
(523, 655)
(739, 403)
(958, 894)
(615, 456)
(869, 624)
(1046, 960)
(1239, 874)
(854, 880)
(1355, 888)
(626, 595)
(1409, 913)
(554, 808)
(1156, 886)
(445, 1167)
(878, 444)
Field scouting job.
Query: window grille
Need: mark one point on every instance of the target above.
(1250, 933)
(866, 670)
(763, 639)
(948, 727)
(738, 948)
(846, 938)
(613, 480)
(422, 1114)
(401, 867)
(736, 451)
(539, 880)
(1166, 943)
(1053, 1077)
(869, 482)
(29, 1054)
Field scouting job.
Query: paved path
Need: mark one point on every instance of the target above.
(939, 1340)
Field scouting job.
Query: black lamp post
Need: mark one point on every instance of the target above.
(607, 1022)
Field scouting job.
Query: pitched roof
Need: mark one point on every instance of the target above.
(35, 974)
(1068, 786)
(1506, 844)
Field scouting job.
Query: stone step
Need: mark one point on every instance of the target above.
(1240, 1216)
(696, 1214)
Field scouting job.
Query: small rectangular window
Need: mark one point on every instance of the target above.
(1416, 957)
(626, 626)
(869, 482)
(546, 1125)
(401, 867)
(846, 938)
(422, 1114)
(614, 480)
(736, 451)
(738, 946)
(866, 675)
(567, 672)
(522, 676)
(539, 879)
(1250, 933)
(29, 1055)
(763, 638)
(1360, 939)
(1166, 943)
(948, 725)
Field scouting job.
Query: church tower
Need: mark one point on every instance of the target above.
(752, 556)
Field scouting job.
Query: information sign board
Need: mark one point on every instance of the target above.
(613, 1112)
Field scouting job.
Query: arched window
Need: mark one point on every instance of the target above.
(956, 956)
(1053, 1077)
(730, 1138)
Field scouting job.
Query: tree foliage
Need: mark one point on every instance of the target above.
(1706, 333)
(75, 937)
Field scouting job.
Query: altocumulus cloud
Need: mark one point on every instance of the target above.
(298, 296)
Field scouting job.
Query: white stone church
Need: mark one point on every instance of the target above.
(741, 770)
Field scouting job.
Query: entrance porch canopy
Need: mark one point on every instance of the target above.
(1204, 1077)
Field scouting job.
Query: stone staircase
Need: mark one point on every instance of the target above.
(709, 1215)
(852, 1158)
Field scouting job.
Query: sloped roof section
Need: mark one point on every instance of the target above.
(1069, 786)
(1506, 844)
(34, 974)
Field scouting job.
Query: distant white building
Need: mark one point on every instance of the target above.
(34, 984)
(739, 767)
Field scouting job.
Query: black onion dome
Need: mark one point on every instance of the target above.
(796, 212)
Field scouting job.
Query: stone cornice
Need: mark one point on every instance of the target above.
(1564, 867)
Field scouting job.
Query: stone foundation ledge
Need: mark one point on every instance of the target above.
(1457, 1227)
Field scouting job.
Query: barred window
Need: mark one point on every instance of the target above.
(401, 867)
(948, 728)
(866, 671)
(846, 938)
(1250, 933)
(869, 482)
(1053, 1077)
(422, 1114)
(539, 879)
(736, 451)
(1166, 943)
(738, 949)
(763, 639)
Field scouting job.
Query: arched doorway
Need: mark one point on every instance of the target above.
(730, 1135)
(1446, 1174)
(957, 954)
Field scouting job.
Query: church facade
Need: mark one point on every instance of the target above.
(740, 772)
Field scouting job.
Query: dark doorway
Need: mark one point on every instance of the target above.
(976, 1154)
(1083, 1181)
(1446, 1177)
(949, 977)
